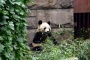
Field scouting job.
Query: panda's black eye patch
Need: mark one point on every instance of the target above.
(44, 28)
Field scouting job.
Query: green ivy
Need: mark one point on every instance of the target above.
(13, 42)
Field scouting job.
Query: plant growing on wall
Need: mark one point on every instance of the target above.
(13, 43)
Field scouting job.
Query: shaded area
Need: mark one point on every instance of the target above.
(82, 25)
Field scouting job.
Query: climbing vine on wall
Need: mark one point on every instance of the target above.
(13, 43)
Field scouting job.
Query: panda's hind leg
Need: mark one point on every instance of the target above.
(37, 48)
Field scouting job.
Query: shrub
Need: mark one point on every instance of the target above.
(13, 43)
(85, 51)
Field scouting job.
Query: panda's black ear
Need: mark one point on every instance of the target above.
(39, 22)
(49, 22)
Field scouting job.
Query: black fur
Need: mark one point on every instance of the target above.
(49, 22)
(37, 48)
(40, 38)
(40, 22)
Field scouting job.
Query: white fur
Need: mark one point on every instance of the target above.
(36, 44)
(43, 25)
(46, 30)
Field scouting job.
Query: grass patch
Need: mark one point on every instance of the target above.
(66, 49)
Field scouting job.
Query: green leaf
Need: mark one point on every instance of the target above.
(0, 58)
(23, 6)
(6, 17)
(11, 9)
(18, 3)
(1, 38)
(15, 47)
(22, 13)
(3, 22)
(16, 16)
(10, 48)
(11, 25)
(2, 2)
(1, 47)
(12, 56)
(7, 54)
(8, 32)
(5, 12)
(21, 39)
(17, 10)
(10, 38)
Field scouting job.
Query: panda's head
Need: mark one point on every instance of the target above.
(44, 27)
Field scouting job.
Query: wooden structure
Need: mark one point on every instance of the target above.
(82, 18)
(81, 6)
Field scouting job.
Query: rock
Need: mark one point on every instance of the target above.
(32, 13)
(41, 15)
(60, 16)
(55, 16)
(30, 35)
(32, 23)
(65, 3)
(48, 4)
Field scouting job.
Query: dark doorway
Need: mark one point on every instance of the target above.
(82, 25)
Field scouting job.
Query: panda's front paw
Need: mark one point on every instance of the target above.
(55, 43)
(38, 48)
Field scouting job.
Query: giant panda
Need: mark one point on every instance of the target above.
(43, 31)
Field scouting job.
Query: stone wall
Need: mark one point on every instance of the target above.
(44, 4)
(58, 12)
